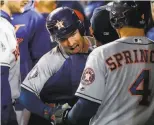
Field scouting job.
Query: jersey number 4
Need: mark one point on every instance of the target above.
(141, 87)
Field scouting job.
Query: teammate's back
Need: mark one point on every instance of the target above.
(127, 97)
(118, 76)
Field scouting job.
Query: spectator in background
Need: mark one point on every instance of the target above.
(76, 5)
(89, 8)
(45, 7)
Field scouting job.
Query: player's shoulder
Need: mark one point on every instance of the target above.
(101, 50)
(7, 33)
(5, 25)
(33, 16)
(53, 56)
(34, 13)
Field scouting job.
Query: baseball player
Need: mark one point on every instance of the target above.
(70, 73)
(116, 86)
(66, 29)
(90, 7)
(9, 61)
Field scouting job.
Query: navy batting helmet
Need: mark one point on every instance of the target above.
(126, 13)
(62, 22)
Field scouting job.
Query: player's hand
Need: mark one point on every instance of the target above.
(61, 114)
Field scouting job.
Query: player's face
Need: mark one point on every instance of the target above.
(45, 6)
(74, 44)
(152, 9)
(17, 6)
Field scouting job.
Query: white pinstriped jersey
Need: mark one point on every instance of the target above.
(9, 55)
(47, 66)
(119, 76)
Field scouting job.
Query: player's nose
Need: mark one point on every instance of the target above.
(70, 41)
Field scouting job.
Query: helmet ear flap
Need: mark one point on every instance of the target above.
(81, 28)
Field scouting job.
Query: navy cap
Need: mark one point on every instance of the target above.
(100, 22)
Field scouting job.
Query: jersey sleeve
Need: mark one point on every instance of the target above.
(58, 85)
(5, 51)
(37, 77)
(46, 67)
(92, 83)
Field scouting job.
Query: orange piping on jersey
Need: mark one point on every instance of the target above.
(128, 31)
(17, 27)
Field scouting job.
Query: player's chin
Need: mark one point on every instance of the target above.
(21, 10)
(75, 52)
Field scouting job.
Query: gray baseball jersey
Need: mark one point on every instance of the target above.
(47, 66)
(9, 55)
(119, 76)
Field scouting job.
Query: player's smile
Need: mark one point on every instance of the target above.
(74, 47)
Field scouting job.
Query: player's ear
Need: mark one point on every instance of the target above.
(36, 3)
(54, 5)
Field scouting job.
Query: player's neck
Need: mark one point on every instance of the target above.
(6, 9)
(127, 31)
(85, 46)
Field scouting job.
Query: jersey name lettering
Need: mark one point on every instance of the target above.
(130, 57)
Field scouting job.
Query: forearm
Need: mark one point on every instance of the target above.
(31, 102)
(81, 112)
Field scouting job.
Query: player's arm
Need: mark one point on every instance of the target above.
(32, 86)
(82, 112)
(90, 91)
(59, 85)
(6, 99)
(32, 102)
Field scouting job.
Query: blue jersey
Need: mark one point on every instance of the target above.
(150, 34)
(62, 86)
(33, 38)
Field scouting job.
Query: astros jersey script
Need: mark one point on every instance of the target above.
(119, 76)
(47, 66)
(9, 55)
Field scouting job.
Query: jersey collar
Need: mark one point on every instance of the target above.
(5, 15)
